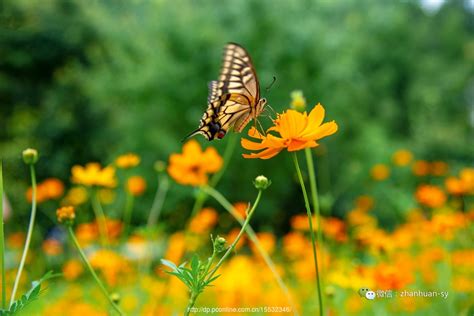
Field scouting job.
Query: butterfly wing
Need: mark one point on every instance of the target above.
(232, 100)
(240, 88)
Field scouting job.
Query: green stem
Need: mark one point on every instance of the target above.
(194, 295)
(253, 237)
(28, 235)
(242, 230)
(91, 270)
(314, 197)
(100, 217)
(2, 241)
(308, 211)
(192, 301)
(160, 195)
(127, 216)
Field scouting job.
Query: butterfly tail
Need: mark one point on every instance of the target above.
(194, 133)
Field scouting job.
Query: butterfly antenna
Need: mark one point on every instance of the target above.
(261, 127)
(271, 84)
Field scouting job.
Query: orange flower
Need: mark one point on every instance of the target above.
(365, 202)
(241, 209)
(203, 221)
(380, 172)
(193, 165)
(421, 168)
(112, 266)
(430, 195)
(72, 269)
(52, 247)
(439, 168)
(66, 214)
(462, 185)
(335, 228)
(402, 157)
(267, 241)
(93, 175)
(126, 161)
(296, 131)
(136, 185)
(49, 189)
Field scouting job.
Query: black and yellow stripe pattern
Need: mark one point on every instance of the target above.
(234, 99)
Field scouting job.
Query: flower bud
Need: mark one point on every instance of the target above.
(261, 182)
(219, 244)
(298, 102)
(66, 215)
(115, 297)
(30, 156)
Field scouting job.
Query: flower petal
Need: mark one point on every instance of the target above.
(322, 131)
(296, 145)
(265, 154)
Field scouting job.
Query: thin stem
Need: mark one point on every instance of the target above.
(160, 195)
(91, 270)
(100, 217)
(242, 230)
(2, 241)
(194, 295)
(308, 211)
(253, 237)
(314, 197)
(28, 235)
(192, 301)
(127, 216)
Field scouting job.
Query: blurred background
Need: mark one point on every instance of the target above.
(87, 81)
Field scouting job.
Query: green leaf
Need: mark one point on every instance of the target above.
(169, 264)
(29, 296)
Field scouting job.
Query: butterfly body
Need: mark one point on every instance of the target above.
(234, 99)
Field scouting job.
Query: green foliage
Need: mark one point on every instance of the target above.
(33, 294)
(86, 81)
(193, 277)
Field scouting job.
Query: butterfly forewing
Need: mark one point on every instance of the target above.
(234, 99)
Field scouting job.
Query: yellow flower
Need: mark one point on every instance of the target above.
(106, 196)
(66, 214)
(136, 185)
(430, 195)
(296, 131)
(126, 161)
(402, 157)
(76, 196)
(380, 172)
(111, 264)
(93, 175)
(193, 165)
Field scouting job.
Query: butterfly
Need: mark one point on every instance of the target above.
(234, 99)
